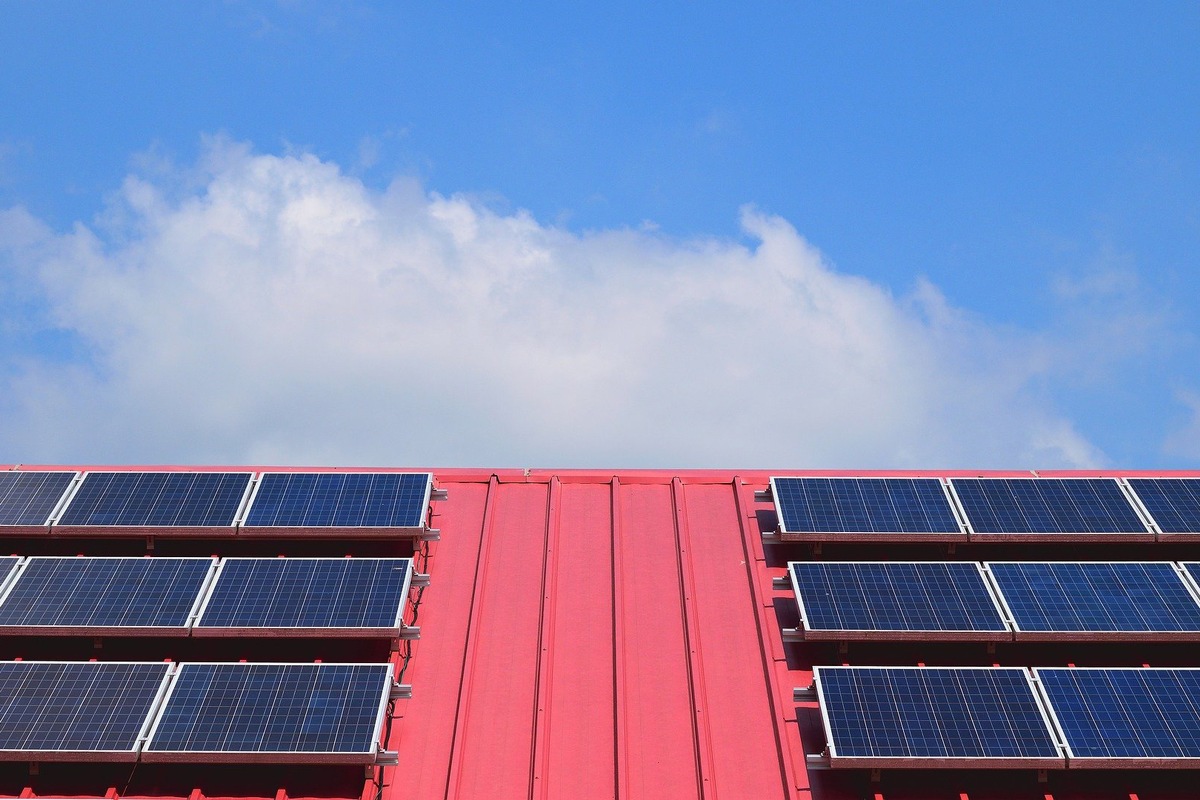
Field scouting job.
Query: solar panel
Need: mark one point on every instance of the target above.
(148, 500)
(125, 596)
(1173, 503)
(8, 568)
(272, 712)
(1047, 506)
(871, 599)
(359, 500)
(78, 710)
(1126, 717)
(27, 499)
(874, 506)
(1096, 598)
(934, 717)
(313, 596)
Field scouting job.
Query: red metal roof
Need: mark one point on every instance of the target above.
(598, 634)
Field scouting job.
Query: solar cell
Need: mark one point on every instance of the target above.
(27, 499)
(339, 500)
(76, 711)
(1097, 598)
(934, 716)
(871, 599)
(874, 506)
(148, 500)
(313, 596)
(1048, 506)
(104, 595)
(1126, 717)
(272, 712)
(1173, 503)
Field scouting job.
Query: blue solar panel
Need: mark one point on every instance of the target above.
(1192, 568)
(82, 707)
(924, 596)
(240, 711)
(1173, 503)
(28, 498)
(157, 499)
(7, 565)
(308, 593)
(933, 713)
(863, 505)
(1129, 713)
(71, 592)
(339, 499)
(1124, 596)
(1046, 505)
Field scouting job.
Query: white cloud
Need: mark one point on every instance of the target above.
(283, 312)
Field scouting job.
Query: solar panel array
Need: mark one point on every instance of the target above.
(198, 712)
(908, 509)
(211, 712)
(931, 600)
(955, 717)
(29, 498)
(307, 596)
(1085, 717)
(863, 505)
(213, 502)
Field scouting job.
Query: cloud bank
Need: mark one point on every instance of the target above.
(272, 309)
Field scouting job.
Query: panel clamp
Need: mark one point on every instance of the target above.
(817, 760)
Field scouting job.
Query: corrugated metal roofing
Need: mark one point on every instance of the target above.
(592, 634)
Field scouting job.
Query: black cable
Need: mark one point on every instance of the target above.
(129, 780)
(405, 657)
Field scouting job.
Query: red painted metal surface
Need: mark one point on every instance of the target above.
(590, 634)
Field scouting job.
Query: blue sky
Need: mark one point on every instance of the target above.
(1011, 191)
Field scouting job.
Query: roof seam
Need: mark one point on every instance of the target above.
(466, 686)
(547, 613)
(701, 737)
(620, 733)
